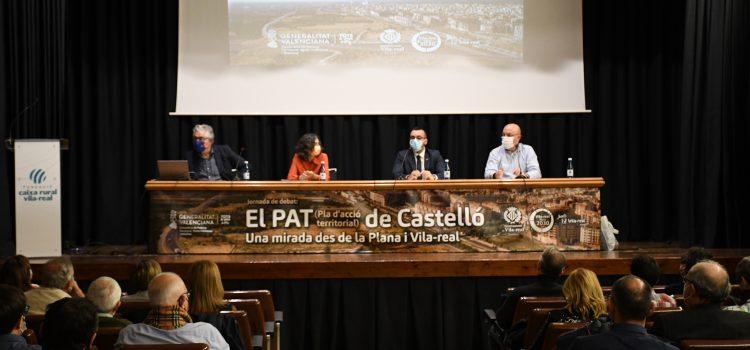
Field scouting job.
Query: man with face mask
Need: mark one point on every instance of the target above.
(512, 159)
(418, 162)
(208, 161)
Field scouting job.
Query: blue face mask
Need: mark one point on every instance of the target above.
(199, 146)
(416, 145)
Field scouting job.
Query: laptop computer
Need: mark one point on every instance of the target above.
(173, 169)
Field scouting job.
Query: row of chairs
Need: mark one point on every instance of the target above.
(259, 321)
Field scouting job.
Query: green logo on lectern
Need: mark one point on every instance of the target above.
(37, 176)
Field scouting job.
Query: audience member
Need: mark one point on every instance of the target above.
(549, 268)
(168, 322)
(69, 324)
(144, 272)
(646, 268)
(693, 256)
(628, 306)
(585, 303)
(13, 319)
(706, 287)
(56, 281)
(207, 300)
(16, 271)
(105, 293)
(743, 275)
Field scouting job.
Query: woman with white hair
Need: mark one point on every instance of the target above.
(208, 161)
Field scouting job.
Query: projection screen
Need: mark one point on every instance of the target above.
(381, 57)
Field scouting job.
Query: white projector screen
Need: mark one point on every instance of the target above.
(383, 57)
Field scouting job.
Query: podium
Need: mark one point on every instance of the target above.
(37, 196)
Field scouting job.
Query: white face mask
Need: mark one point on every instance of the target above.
(508, 142)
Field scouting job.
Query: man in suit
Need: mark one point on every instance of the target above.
(628, 305)
(418, 162)
(706, 287)
(211, 162)
(550, 266)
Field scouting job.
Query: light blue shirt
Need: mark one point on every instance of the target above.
(197, 332)
(523, 158)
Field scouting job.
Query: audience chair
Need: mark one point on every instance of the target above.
(534, 324)
(34, 323)
(192, 346)
(270, 314)
(106, 338)
(526, 304)
(555, 330)
(657, 311)
(134, 310)
(245, 330)
(30, 337)
(255, 316)
(695, 344)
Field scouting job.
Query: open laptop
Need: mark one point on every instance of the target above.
(173, 169)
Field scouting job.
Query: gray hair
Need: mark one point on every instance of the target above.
(552, 262)
(206, 129)
(712, 286)
(104, 292)
(56, 273)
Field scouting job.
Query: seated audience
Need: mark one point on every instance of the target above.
(144, 272)
(693, 256)
(16, 271)
(168, 322)
(207, 299)
(70, 323)
(646, 268)
(585, 303)
(549, 268)
(105, 293)
(13, 319)
(55, 282)
(628, 306)
(307, 160)
(743, 274)
(706, 287)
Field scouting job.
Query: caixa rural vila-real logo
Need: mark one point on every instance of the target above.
(37, 176)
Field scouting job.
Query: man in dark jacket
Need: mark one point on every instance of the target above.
(211, 162)
(628, 305)
(706, 287)
(418, 162)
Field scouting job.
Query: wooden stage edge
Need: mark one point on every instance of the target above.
(119, 262)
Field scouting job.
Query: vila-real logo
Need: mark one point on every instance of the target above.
(37, 176)
(541, 220)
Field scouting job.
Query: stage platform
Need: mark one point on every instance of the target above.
(118, 262)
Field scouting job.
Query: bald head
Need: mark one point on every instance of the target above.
(166, 289)
(512, 129)
(710, 281)
(632, 299)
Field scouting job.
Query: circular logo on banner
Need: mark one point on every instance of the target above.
(426, 41)
(512, 215)
(390, 36)
(37, 176)
(541, 220)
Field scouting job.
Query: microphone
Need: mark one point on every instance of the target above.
(18, 116)
(239, 159)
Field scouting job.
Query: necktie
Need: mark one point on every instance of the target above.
(419, 163)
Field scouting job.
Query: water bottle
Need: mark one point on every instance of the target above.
(570, 167)
(447, 172)
(323, 174)
(246, 174)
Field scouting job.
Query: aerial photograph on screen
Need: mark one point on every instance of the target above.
(287, 33)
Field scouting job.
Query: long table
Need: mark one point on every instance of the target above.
(467, 216)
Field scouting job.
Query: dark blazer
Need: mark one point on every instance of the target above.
(226, 160)
(544, 286)
(622, 336)
(702, 322)
(405, 163)
(111, 322)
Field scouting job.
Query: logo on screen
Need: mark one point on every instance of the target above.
(512, 215)
(37, 176)
(390, 36)
(426, 41)
(541, 220)
(271, 35)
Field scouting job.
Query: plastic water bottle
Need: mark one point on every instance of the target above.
(323, 174)
(447, 172)
(570, 167)
(246, 173)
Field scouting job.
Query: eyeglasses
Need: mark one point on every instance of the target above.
(26, 310)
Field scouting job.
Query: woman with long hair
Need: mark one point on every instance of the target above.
(207, 300)
(16, 271)
(584, 302)
(308, 160)
(144, 272)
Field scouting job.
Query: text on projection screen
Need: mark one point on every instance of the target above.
(282, 57)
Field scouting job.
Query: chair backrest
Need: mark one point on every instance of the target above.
(697, 344)
(526, 304)
(254, 313)
(264, 296)
(34, 322)
(106, 337)
(660, 310)
(192, 346)
(30, 337)
(134, 310)
(534, 324)
(555, 330)
(244, 324)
